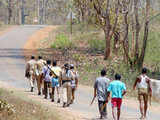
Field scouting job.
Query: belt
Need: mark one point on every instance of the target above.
(63, 81)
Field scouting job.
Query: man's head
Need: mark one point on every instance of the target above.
(48, 62)
(54, 63)
(71, 66)
(66, 66)
(117, 76)
(144, 70)
(39, 57)
(103, 72)
(32, 57)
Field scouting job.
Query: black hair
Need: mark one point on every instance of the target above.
(144, 70)
(54, 63)
(103, 72)
(32, 57)
(71, 66)
(66, 66)
(48, 62)
(117, 76)
(39, 57)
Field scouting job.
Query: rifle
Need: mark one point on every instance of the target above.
(51, 71)
(92, 100)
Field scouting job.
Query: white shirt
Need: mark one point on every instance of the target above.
(143, 83)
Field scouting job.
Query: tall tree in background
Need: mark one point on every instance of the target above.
(132, 12)
(105, 14)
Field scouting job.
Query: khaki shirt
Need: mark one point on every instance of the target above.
(40, 64)
(31, 66)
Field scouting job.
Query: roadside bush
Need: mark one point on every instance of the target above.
(62, 42)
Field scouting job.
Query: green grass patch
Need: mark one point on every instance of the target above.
(96, 44)
(62, 42)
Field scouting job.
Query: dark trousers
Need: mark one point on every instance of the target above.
(47, 85)
(103, 112)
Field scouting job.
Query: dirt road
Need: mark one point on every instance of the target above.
(12, 72)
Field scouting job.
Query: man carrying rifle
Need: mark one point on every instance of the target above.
(55, 73)
(100, 90)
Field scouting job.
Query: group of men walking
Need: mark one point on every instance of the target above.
(104, 86)
(50, 77)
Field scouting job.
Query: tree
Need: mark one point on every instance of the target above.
(105, 14)
(136, 26)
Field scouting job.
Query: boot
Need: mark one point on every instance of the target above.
(31, 89)
(64, 105)
(58, 101)
(39, 93)
(52, 100)
(50, 95)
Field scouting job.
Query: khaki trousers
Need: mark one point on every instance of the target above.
(66, 92)
(39, 82)
(32, 79)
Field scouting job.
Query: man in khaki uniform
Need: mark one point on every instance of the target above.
(40, 64)
(65, 82)
(74, 82)
(30, 71)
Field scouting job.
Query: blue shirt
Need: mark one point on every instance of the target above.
(116, 87)
(46, 72)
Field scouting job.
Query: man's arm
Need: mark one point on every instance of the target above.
(135, 84)
(149, 85)
(124, 92)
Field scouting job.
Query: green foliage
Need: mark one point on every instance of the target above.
(152, 56)
(97, 45)
(62, 42)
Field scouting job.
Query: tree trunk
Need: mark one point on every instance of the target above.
(108, 44)
(9, 11)
(145, 37)
(137, 29)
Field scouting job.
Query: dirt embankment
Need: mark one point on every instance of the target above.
(33, 41)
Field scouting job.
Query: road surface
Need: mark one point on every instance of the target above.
(12, 72)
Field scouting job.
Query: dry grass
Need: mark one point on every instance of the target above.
(25, 110)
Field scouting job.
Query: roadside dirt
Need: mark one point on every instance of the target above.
(37, 37)
(62, 113)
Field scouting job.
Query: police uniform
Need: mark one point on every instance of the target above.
(30, 69)
(40, 64)
(66, 87)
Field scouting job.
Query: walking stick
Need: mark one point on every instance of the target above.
(92, 100)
